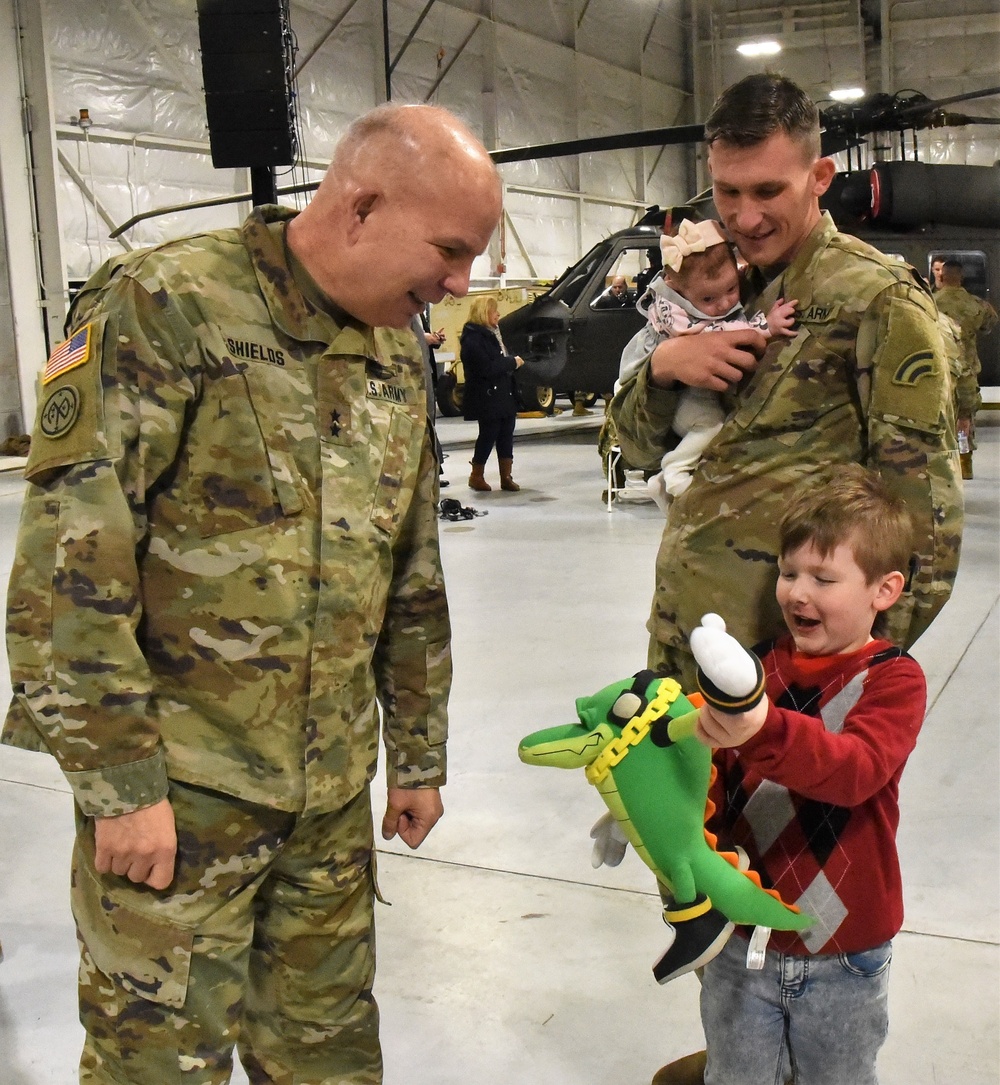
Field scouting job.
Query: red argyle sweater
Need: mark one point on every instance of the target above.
(813, 796)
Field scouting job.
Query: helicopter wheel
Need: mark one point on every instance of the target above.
(536, 397)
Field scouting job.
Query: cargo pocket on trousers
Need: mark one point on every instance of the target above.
(146, 957)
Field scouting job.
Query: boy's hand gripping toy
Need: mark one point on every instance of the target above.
(636, 741)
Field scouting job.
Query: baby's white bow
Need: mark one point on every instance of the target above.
(690, 237)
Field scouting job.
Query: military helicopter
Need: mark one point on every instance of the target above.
(917, 212)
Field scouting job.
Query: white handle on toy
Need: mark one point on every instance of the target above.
(724, 660)
(609, 842)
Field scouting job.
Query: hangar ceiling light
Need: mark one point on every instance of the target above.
(847, 94)
(759, 48)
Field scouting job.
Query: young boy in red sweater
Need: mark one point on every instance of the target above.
(808, 785)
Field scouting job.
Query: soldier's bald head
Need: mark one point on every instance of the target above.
(411, 198)
(410, 145)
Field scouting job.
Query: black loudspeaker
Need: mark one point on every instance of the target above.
(246, 64)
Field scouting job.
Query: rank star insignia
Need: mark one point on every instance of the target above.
(335, 423)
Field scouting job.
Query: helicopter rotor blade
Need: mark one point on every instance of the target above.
(651, 137)
(948, 120)
(926, 106)
(840, 132)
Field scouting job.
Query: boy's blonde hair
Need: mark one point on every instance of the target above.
(480, 309)
(852, 505)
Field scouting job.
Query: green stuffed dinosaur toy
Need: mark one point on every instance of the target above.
(636, 741)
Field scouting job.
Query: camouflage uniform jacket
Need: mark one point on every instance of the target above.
(865, 379)
(972, 315)
(229, 545)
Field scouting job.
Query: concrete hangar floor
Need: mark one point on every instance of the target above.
(504, 957)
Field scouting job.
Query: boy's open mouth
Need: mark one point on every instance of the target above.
(805, 623)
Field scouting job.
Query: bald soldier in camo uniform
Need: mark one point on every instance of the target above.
(865, 379)
(228, 559)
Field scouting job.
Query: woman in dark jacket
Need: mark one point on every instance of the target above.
(489, 392)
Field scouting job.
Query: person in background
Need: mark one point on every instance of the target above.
(489, 397)
(617, 296)
(227, 581)
(428, 340)
(937, 267)
(654, 265)
(973, 316)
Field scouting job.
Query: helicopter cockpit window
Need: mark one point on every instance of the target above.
(974, 277)
(569, 286)
(618, 288)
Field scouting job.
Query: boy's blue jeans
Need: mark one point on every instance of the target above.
(821, 1019)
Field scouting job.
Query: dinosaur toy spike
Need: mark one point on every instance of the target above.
(635, 741)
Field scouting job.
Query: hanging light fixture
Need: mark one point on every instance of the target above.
(765, 48)
(847, 94)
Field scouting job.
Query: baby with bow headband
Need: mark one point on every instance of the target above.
(699, 291)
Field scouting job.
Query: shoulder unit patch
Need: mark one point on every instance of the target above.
(912, 368)
(60, 412)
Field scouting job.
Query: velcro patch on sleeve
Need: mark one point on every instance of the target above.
(70, 425)
(916, 366)
(910, 379)
(74, 352)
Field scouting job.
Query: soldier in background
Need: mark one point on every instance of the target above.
(973, 316)
(228, 560)
(865, 379)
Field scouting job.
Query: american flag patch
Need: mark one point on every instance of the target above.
(68, 355)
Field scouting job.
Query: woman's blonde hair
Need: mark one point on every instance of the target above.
(480, 309)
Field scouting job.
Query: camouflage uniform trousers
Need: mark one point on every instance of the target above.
(673, 662)
(265, 941)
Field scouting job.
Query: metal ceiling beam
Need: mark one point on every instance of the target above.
(412, 34)
(324, 38)
(139, 139)
(91, 198)
(520, 245)
(451, 63)
(68, 132)
(945, 26)
(652, 24)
